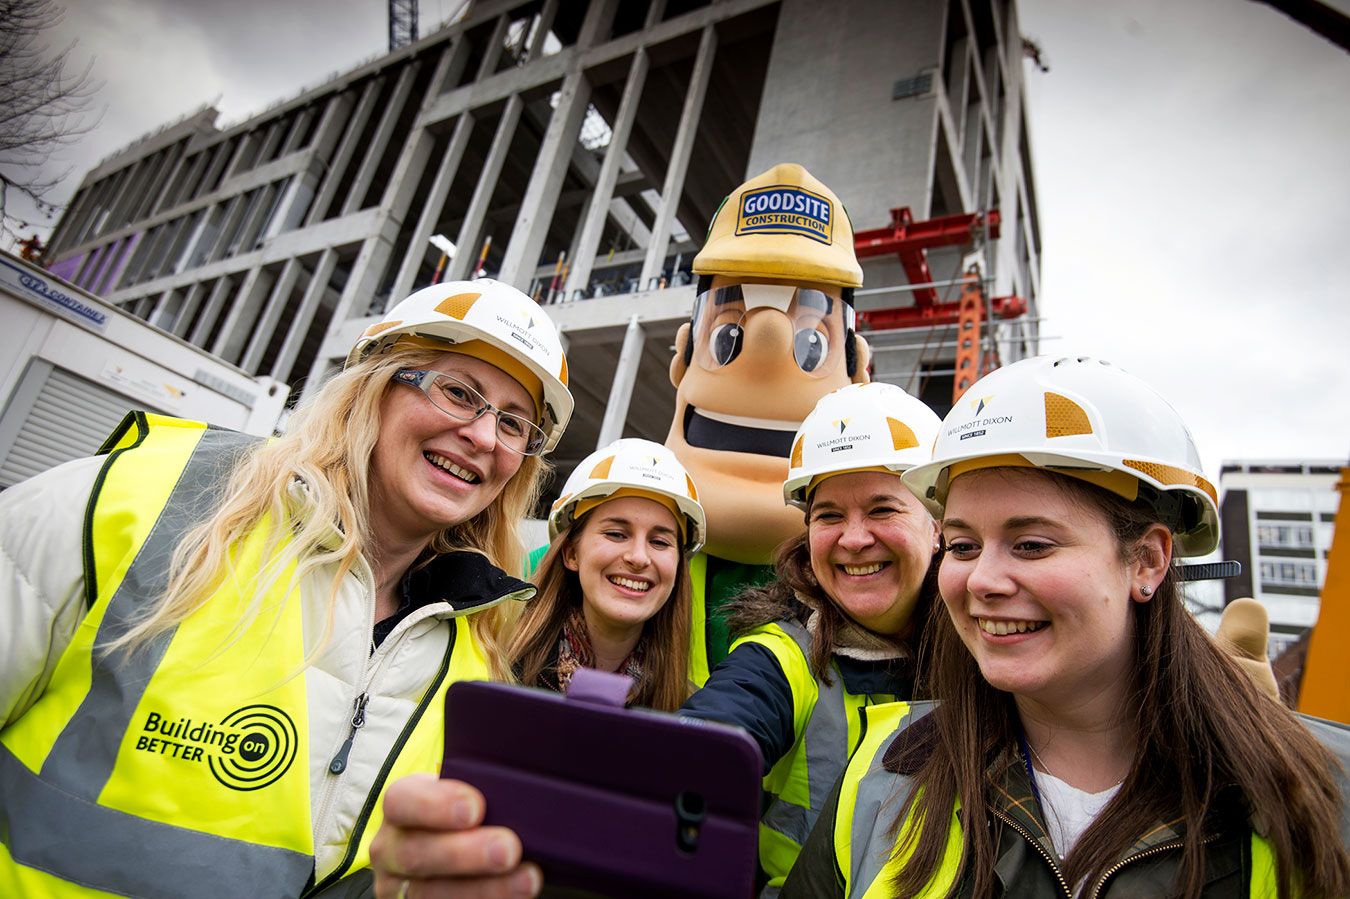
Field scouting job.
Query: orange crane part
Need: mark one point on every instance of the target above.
(1325, 692)
(969, 313)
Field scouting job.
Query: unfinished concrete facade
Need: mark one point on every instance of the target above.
(578, 151)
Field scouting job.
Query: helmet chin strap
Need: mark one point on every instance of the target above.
(1208, 571)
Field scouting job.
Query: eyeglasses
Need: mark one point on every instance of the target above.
(462, 403)
(820, 324)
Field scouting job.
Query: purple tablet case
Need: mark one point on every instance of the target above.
(610, 801)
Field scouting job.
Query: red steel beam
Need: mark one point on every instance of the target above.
(909, 239)
(936, 314)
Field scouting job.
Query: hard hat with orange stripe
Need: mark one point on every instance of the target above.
(492, 321)
(861, 427)
(632, 467)
(1085, 418)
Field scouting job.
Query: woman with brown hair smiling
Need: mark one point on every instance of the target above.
(614, 588)
(1091, 739)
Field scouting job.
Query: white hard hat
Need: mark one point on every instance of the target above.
(1082, 417)
(632, 467)
(515, 335)
(859, 427)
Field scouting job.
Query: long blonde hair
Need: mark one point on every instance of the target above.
(665, 675)
(325, 454)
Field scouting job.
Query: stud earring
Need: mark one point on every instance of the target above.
(1145, 590)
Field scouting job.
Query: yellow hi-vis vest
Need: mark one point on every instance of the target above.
(182, 769)
(827, 725)
(866, 848)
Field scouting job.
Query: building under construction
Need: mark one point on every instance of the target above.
(578, 151)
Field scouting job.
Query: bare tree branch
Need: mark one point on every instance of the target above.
(44, 100)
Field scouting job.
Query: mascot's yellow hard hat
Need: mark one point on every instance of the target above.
(781, 224)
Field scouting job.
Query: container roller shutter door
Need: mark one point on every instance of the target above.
(69, 418)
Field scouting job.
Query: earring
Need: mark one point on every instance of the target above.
(1145, 590)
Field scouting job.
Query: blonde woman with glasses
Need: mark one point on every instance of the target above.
(220, 651)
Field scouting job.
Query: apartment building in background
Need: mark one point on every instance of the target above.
(1278, 517)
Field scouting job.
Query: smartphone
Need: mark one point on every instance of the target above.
(610, 802)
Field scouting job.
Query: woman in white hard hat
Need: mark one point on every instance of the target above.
(838, 630)
(1091, 739)
(614, 588)
(221, 650)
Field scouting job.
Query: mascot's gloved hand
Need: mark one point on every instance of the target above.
(1243, 632)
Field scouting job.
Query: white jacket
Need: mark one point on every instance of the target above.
(42, 592)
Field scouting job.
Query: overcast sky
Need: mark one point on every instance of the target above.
(1190, 160)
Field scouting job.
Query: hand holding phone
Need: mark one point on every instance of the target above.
(610, 801)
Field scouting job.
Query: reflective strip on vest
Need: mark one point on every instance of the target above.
(864, 849)
(826, 723)
(698, 620)
(63, 829)
(870, 796)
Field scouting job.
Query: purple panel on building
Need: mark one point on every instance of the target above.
(68, 267)
(119, 263)
(102, 268)
(97, 259)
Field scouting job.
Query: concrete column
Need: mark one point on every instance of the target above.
(337, 166)
(328, 154)
(266, 325)
(362, 283)
(105, 192)
(679, 156)
(257, 211)
(621, 391)
(546, 17)
(191, 301)
(238, 204)
(588, 241)
(287, 215)
(456, 59)
(230, 341)
(158, 168)
(298, 129)
(304, 315)
(169, 175)
(212, 312)
(412, 160)
(241, 150)
(161, 316)
(958, 63)
(466, 243)
(191, 176)
(596, 26)
(494, 48)
(355, 297)
(380, 140)
(123, 197)
(275, 133)
(541, 196)
(220, 157)
(440, 189)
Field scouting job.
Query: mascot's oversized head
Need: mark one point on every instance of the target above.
(772, 332)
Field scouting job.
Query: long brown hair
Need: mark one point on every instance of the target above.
(665, 668)
(1200, 724)
(795, 593)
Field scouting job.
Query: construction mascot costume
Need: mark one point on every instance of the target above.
(772, 332)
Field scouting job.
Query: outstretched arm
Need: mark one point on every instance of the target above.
(749, 689)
